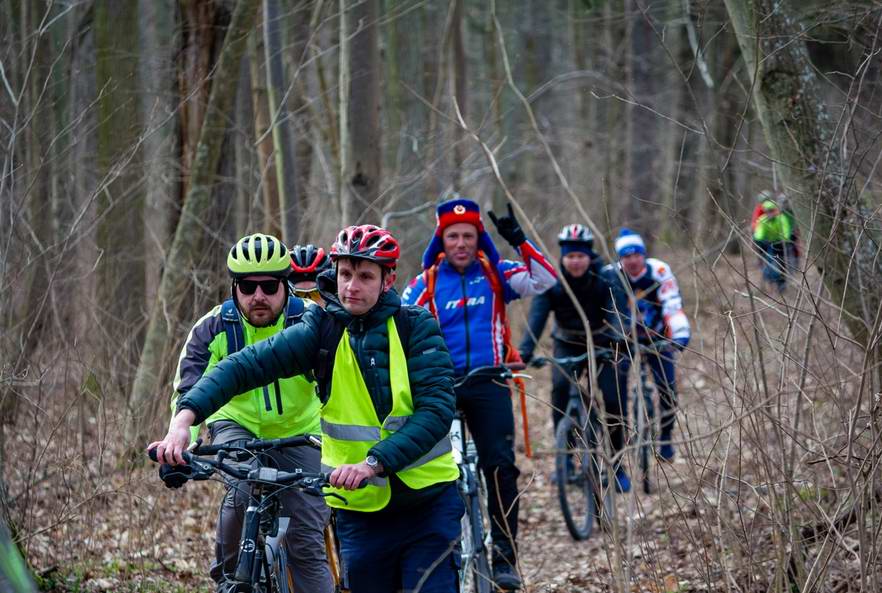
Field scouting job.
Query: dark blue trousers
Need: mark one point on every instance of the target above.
(490, 419)
(661, 366)
(391, 552)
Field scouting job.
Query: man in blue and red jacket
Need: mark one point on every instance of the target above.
(662, 324)
(466, 286)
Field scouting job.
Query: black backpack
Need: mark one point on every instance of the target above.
(330, 333)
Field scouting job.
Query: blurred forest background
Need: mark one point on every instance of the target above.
(140, 138)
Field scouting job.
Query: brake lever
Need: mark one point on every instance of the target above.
(334, 494)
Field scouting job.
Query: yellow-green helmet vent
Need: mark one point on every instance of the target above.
(259, 254)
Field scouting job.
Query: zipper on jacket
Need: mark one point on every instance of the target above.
(465, 315)
(370, 377)
(278, 397)
(266, 399)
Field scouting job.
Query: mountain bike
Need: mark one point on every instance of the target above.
(262, 566)
(643, 396)
(581, 464)
(474, 572)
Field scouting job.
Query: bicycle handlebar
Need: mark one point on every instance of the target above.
(654, 347)
(502, 372)
(257, 445)
(200, 467)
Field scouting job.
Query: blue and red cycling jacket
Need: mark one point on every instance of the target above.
(471, 315)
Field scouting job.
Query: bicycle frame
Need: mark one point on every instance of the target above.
(261, 565)
(581, 471)
(475, 544)
(476, 541)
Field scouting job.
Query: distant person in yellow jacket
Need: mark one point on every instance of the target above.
(774, 232)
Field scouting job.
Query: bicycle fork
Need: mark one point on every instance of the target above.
(247, 570)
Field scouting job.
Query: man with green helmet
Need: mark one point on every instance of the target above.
(260, 307)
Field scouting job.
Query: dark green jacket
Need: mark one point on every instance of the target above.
(293, 352)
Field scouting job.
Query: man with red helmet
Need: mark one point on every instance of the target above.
(385, 379)
(307, 262)
(467, 286)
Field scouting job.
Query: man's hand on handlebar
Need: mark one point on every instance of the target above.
(352, 476)
(169, 450)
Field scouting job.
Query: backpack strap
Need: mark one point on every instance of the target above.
(511, 353)
(232, 327)
(330, 333)
(430, 275)
(404, 327)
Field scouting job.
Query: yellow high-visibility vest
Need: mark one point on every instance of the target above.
(350, 427)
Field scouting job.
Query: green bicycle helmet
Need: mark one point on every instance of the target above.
(259, 254)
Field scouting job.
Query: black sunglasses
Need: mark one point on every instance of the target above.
(249, 287)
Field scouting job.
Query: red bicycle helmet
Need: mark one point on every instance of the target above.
(368, 242)
(307, 262)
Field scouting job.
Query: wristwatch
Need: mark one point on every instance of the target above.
(373, 463)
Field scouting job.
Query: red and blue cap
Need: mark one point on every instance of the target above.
(452, 212)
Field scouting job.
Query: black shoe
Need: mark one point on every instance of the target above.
(506, 577)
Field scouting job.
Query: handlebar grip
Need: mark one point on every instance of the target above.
(151, 453)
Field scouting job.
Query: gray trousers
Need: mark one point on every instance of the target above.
(304, 538)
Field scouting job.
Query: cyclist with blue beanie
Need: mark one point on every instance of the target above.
(660, 319)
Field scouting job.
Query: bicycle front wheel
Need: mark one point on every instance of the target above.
(281, 580)
(475, 563)
(573, 474)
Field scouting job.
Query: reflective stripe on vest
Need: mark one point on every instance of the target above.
(350, 427)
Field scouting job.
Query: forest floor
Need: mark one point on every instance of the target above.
(94, 526)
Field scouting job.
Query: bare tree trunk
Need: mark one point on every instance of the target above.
(190, 236)
(643, 152)
(361, 175)
(28, 229)
(347, 198)
(120, 233)
(460, 89)
(263, 139)
(843, 239)
(286, 173)
(298, 34)
(158, 92)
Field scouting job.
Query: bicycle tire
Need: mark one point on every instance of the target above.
(574, 486)
(644, 424)
(475, 572)
(335, 558)
(282, 580)
(644, 441)
(600, 484)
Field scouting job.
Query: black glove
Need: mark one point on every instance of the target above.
(175, 476)
(509, 228)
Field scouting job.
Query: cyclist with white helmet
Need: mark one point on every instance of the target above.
(599, 293)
